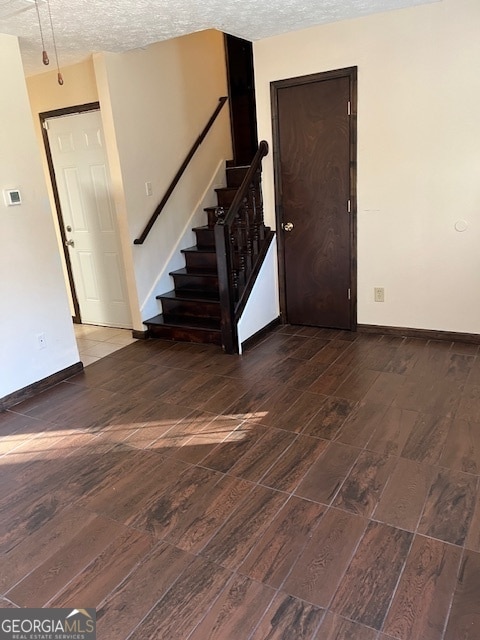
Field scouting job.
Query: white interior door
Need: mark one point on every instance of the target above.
(83, 183)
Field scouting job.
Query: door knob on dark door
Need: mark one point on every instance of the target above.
(288, 226)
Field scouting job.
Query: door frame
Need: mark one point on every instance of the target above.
(351, 74)
(45, 115)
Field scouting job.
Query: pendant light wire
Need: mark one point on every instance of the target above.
(59, 74)
(44, 51)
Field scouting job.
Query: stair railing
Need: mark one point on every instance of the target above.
(180, 172)
(242, 241)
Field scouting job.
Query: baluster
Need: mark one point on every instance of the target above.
(233, 263)
(247, 240)
(241, 273)
(235, 278)
(259, 209)
(255, 240)
(254, 234)
(243, 242)
(248, 234)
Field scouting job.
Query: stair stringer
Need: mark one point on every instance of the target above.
(175, 260)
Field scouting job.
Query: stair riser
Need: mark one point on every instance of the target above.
(195, 283)
(205, 238)
(235, 176)
(205, 261)
(191, 308)
(225, 196)
(186, 335)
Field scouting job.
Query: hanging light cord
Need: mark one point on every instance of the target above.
(44, 52)
(59, 74)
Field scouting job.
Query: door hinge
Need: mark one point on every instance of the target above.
(349, 108)
(349, 294)
(45, 125)
(349, 206)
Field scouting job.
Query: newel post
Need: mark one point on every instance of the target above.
(225, 287)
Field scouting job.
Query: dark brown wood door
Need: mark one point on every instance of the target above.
(313, 176)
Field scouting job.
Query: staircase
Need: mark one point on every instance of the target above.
(191, 311)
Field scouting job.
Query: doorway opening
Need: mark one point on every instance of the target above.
(80, 179)
(95, 343)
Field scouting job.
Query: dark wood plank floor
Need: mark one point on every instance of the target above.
(323, 486)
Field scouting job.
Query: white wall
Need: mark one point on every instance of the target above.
(155, 103)
(263, 304)
(33, 298)
(418, 154)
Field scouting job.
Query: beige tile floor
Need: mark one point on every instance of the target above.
(97, 342)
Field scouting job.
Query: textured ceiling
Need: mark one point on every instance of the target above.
(85, 26)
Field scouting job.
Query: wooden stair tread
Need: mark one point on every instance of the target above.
(191, 296)
(196, 249)
(185, 322)
(204, 227)
(226, 189)
(230, 164)
(194, 272)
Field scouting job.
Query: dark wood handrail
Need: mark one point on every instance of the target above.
(178, 175)
(241, 242)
